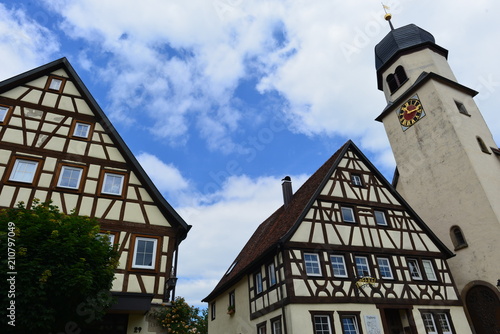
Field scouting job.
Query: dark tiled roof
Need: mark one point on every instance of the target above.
(400, 39)
(276, 228)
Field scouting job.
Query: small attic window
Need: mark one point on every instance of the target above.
(55, 84)
(231, 267)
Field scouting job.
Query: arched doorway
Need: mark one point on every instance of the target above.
(483, 306)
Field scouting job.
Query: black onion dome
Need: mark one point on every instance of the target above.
(400, 39)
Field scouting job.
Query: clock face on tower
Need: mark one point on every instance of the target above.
(410, 112)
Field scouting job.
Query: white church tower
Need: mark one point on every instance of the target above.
(448, 165)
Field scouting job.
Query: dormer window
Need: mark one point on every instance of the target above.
(396, 79)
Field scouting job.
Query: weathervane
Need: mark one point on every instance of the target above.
(387, 16)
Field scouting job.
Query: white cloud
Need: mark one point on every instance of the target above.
(24, 44)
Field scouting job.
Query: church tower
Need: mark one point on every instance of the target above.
(448, 165)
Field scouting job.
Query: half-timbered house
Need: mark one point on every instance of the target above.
(344, 254)
(57, 144)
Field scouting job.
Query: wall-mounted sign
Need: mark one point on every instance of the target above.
(365, 281)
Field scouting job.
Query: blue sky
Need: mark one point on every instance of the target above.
(220, 99)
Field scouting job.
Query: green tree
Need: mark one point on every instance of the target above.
(63, 269)
(181, 318)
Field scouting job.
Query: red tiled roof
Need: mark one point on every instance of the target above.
(275, 228)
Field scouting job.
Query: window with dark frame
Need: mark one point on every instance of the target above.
(461, 108)
(81, 130)
(396, 79)
(258, 283)
(4, 111)
(271, 274)
(437, 321)
(356, 180)
(261, 328)
(322, 324)
(232, 302)
(458, 238)
(482, 145)
(414, 269)
(350, 323)
(212, 311)
(348, 214)
(276, 326)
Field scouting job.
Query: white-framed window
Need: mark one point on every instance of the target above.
(362, 267)
(70, 177)
(349, 324)
(348, 215)
(380, 218)
(311, 261)
(112, 184)
(276, 326)
(144, 253)
(23, 171)
(384, 266)
(271, 274)
(436, 322)
(356, 180)
(55, 84)
(322, 324)
(3, 113)
(429, 270)
(338, 265)
(81, 130)
(261, 329)
(258, 283)
(109, 236)
(414, 269)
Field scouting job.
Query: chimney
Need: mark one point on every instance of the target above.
(287, 190)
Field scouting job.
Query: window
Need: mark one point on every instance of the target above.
(276, 326)
(312, 264)
(55, 84)
(232, 301)
(396, 80)
(380, 218)
(322, 324)
(437, 321)
(261, 328)
(457, 237)
(384, 266)
(362, 267)
(338, 266)
(271, 274)
(144, 253)
(461, 108)
(414, 269)
(81, 130)
(109, 236)
(356, 180)
(429, 270)
(258, 283)
(4, 111)
(350, 324)
(24, 171)
(348, 215)
(212, 311)
(70, 177)
(112, 184)
(482, 145)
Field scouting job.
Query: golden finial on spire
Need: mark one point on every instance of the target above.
(387, 16)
